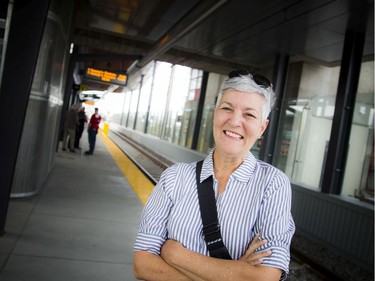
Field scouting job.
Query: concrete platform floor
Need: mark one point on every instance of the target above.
(80, 226)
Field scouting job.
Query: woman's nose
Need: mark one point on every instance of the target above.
(236, 118)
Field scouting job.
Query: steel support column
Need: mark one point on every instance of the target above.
(26, 28)
(279, 78)
(198, 119)
(139, 98)
(342, 120)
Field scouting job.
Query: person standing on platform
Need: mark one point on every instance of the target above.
(70, 123)
(251, 235)
(93, 128)
(82, 119)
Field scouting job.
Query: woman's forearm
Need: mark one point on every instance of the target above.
(200, 267)
(150, 267)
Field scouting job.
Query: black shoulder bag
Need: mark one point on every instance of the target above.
(211, 226)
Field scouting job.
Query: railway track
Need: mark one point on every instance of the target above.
(303, 267)
(150, 163)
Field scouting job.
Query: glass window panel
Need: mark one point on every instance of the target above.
(206, 139)
(190, 111)
(305, 122)
(159, 98)
(113, 106)
(133, 108)
(359, 170)
(177, 97)
(126, 108)
(144, 101)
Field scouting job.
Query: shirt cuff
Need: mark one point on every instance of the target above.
(149, 242)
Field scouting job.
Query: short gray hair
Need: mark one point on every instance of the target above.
(245, 82)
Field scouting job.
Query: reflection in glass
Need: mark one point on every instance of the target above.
(206, 140)
(359, 170)
(133, 108)
(175, 100)
(305, 124)
(159, 98)
(142, 107)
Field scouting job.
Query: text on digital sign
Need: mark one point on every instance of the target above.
(107, 76)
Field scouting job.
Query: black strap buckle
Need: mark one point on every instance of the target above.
(211, 228)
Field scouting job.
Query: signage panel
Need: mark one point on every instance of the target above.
(118, 78)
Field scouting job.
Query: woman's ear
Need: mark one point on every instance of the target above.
(263, 127)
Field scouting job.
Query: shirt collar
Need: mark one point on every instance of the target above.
(243, 172)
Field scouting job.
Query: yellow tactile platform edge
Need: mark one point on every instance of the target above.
(141, 185)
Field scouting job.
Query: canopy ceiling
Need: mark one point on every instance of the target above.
(216, 36)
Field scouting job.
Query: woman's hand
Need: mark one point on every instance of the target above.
(172, 247)
(252, 257)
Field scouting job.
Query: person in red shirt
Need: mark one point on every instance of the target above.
(93, 128)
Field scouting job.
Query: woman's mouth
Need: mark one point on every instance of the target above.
(233, 135)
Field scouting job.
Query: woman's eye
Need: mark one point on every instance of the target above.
(249, 115)
(226, 108)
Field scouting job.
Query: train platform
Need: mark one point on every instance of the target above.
(81, 225)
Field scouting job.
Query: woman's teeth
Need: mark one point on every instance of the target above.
(233, 135)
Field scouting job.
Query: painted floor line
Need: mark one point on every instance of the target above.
(141, 185)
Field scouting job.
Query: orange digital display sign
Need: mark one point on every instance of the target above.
(107, 76)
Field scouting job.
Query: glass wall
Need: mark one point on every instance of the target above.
(206, 139)
(177, 95)
(168, 104)
(126, 108)
(144, 100)
(359, 170)
(190, 109)
(163, 103)
(133, 108)
(112, 107)
(159, 100)
(305, 122)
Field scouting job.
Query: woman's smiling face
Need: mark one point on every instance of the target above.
(238, 122)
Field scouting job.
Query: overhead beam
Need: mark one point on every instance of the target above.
(105, 57)
(194, 17)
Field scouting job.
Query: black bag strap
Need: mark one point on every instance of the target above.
(211, 226)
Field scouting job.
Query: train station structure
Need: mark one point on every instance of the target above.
(154, 68)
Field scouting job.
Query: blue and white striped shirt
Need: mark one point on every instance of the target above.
(256, 199)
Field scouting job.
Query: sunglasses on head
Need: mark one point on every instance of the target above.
(259, 79)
